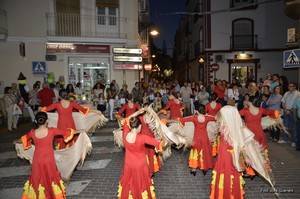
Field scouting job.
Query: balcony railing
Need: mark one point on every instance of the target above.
(3, 25)
(75, 25)
(243, 42)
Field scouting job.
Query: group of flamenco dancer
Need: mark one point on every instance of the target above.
(143, 150)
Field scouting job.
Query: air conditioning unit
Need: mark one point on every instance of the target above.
(219, 58)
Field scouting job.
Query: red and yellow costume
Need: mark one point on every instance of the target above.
(65, 120)
(212, 111)
(128, 110)
(152, 157)
(135, 181)
(227, 182)
(200, 155)
(175, 109)
(44, 181)
(253, 122)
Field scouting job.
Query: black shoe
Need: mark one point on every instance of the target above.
(193, 173)
(204, 172)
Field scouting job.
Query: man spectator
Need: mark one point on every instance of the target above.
(136, 92)
(186, 93)
(253, 92)
(46, 95)
(275, 82)
(219, 89)
(288, 104)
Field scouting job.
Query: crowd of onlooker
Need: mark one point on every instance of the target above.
(274, 92)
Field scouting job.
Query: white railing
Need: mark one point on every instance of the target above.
(75, 25)
(3, 25)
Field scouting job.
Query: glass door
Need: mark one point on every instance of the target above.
(243, 73)
(88, 71)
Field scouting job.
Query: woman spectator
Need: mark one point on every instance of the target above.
(157, 102)
(219, 89)
(274, 103)
(70, 89)
(266, 90)
(284, 84)
(78, 90)
(101, 103)
(233, 94)
(10, 102)
(203, 96)
(98, 88)
(33, 98)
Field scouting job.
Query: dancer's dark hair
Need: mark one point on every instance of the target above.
(63, 94)
(40, 119)
(134, 122)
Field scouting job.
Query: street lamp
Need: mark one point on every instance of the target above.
(201, 61)
(154, 32)
(153, 56)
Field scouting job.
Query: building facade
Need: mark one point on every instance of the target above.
(72, 39)
(245, 39)
(247, 42)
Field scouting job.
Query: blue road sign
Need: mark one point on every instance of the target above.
(291, 58)
(39, 67)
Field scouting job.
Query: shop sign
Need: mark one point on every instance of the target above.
(128, 66)
(76, 48)
(127, 59)
(291, 58)
(137, 51)
(215, 67)
(148, 67)
(39, 67)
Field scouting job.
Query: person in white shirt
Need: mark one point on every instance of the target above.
(233, 94)
(288, 101)
(186, 93)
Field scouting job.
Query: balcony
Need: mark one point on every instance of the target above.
(3, 25)
(75, 25)
(243, 42)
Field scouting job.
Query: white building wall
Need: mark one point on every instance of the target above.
(27, 23)
(270, 25)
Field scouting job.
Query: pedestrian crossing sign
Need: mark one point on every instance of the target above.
(291, 58)
(39, 67)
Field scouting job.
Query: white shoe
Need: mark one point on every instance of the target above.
(281, 142)
(293, 144)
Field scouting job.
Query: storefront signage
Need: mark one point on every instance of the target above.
(128, 66)
(136, 51)
(39, 67)
(76, 48)
(127, 59)
(214, 67)
(148, 67)
(291, 58)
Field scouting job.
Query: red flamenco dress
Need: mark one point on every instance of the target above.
(227, 182)
(152, 157)
(65, 121)
(200, 155)
(135, 181)
(127, 110)
(44, 181)
(253, 122)
(175, 109)
(212, 111)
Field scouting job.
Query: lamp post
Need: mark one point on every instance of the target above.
(151, 31)
(201, 61)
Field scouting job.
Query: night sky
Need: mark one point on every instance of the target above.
(167, 24)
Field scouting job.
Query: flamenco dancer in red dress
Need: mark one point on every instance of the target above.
(65, 109)
(129, 108)
(238, 148)
(213, 107)
(135, 180)
(44, 181)
(200, 155)
(252, 115)
(175, 107)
